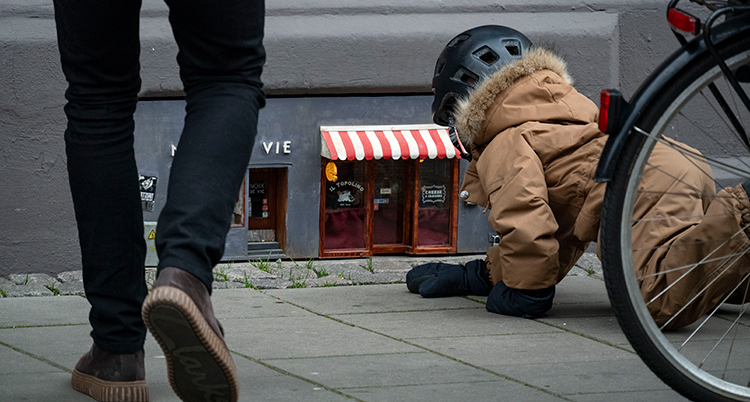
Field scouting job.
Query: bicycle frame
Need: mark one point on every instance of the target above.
(659, 79)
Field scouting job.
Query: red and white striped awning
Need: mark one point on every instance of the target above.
(427, 141)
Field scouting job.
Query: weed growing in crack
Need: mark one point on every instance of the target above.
(221, 274)
(53, 289)
(261, 264)
(246, 282)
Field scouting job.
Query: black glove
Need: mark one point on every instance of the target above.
(520, 302)
(437, 279)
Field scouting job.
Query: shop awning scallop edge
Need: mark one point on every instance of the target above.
(424, 141)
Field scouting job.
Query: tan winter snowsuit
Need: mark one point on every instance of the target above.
(535, 144)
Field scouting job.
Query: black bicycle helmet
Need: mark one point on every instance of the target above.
(467, 59)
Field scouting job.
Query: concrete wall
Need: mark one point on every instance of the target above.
(315, 47)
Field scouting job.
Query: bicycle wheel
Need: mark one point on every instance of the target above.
(673, 238)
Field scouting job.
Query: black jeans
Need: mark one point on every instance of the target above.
(220, 56)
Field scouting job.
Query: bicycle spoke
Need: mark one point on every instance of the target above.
(730, 168)
(701, 292)
(691, 266)
(708, 317)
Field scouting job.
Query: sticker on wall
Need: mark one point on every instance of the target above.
(331, 172)
(148, 192)
(433, 194)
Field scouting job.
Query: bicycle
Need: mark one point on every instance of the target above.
(698, 97)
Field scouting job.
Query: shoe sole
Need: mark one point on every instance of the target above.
(199, 364)
(110, 391)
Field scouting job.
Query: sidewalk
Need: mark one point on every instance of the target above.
(361, 343)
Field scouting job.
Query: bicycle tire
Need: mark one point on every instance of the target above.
(676, 367)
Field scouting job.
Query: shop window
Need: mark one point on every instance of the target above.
(435, 200)
(388, 189)
(345, 210)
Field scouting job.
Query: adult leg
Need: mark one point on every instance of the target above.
(99, 51)
(220, 57)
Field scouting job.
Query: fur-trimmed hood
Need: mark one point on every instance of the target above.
(537, 87)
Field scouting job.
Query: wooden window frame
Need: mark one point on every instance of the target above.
(449, 248)
(368, 199)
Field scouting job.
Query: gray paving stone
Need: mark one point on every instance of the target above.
(604, 328)
(305, 336)
(352, 272)
(260, 383)
(30, 290)
(383, 370)
(544, 348)
(43, 311)
(63, 345)
(257, 382)
(580, 290)
(444, 323)
(51, 386)
(6, 287)
(631, 396)
(570, 378)
(294, 273)
(390, 265)
(247, 272)
(70, 277)
(589, 263)
(368, 299)
(330, 280)
(248, 303)
(271, 283)
(227, 285)
(70, 289)
(580, 297)
(501, 390)
(18, 363)
(32, 279)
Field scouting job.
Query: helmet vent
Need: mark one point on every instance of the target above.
(513, 47)
(458, 39)
(487, 55)
(465, 76)
(439, 66)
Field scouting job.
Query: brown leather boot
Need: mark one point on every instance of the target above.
(179, 314)
(109, 377)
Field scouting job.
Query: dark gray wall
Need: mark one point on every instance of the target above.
(314, 47)
(298, 120)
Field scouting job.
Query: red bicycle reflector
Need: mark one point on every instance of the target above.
(604, 110)
(683, 21)
(612, 110)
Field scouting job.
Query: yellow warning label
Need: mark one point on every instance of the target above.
(152, 235)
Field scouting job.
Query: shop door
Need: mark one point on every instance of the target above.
(262, 205)
(390, 223)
